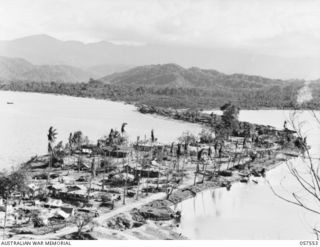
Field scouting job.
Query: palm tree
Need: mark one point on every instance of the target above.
(185, 157)
(70, 142)
(197, 168)
(125, 181)
(196, 173)
(79, 164)
(152, 136)
(136, 169)
(104, 168)
(178, 155)
(93, 171)
(160, 161)
(52, 136)
(122, 128)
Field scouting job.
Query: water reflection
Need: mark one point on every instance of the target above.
(245, 212)
(252, 211)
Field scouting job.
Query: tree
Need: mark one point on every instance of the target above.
(123, 128)
(93, 175)
(206, 136)
(187, 137)
(52, 136)
(229, 120)
(77, 139)
(81, 220)
(117, 138)
(152, 136)
(306, 175)
(15, 181)
(125, 182)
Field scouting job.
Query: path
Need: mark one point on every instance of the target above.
(102, 218)
(137, 204)
(99, 220)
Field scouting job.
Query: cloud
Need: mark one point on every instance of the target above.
(247, 24)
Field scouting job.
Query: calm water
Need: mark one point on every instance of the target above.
(245, 212)
(252, 211)
(24, 125)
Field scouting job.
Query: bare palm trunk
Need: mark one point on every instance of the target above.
(124, 193)
(158, 176)
(204, 171)
(89, 189)
(196, 173)
(137, 176)
(5, 220)
(182, 168)
(104, 171)
(79, 164)
(137, 197)
(195, 178)
(148, 181)
(49, 170)
(125, 185)
(178, 161)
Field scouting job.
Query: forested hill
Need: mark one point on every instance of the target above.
(173, 75)
(173, 85)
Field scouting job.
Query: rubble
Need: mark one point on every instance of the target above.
(97, 179)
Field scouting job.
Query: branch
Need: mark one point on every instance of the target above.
(301, 181)
(315, 178)
(315, 116)
(298, 203)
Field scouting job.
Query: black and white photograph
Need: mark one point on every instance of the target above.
(159, 120)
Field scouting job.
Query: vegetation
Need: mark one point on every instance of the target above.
(157, 167)
(52, 136)
(206, 136)
(306, 174)
(81, 220)
(9, 183)
(229, 119)
(187, 137)
(77, 139)
(280, 96)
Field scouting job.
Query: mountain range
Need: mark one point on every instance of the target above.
(47, 50)
(22, 70)
(159, 75)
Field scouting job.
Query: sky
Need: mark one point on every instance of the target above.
(289, 28)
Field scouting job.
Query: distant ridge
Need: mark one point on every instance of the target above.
(173, 75)
(22, 70)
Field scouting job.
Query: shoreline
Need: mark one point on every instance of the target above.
(184, 193)
(136, 104)
(241, 158)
